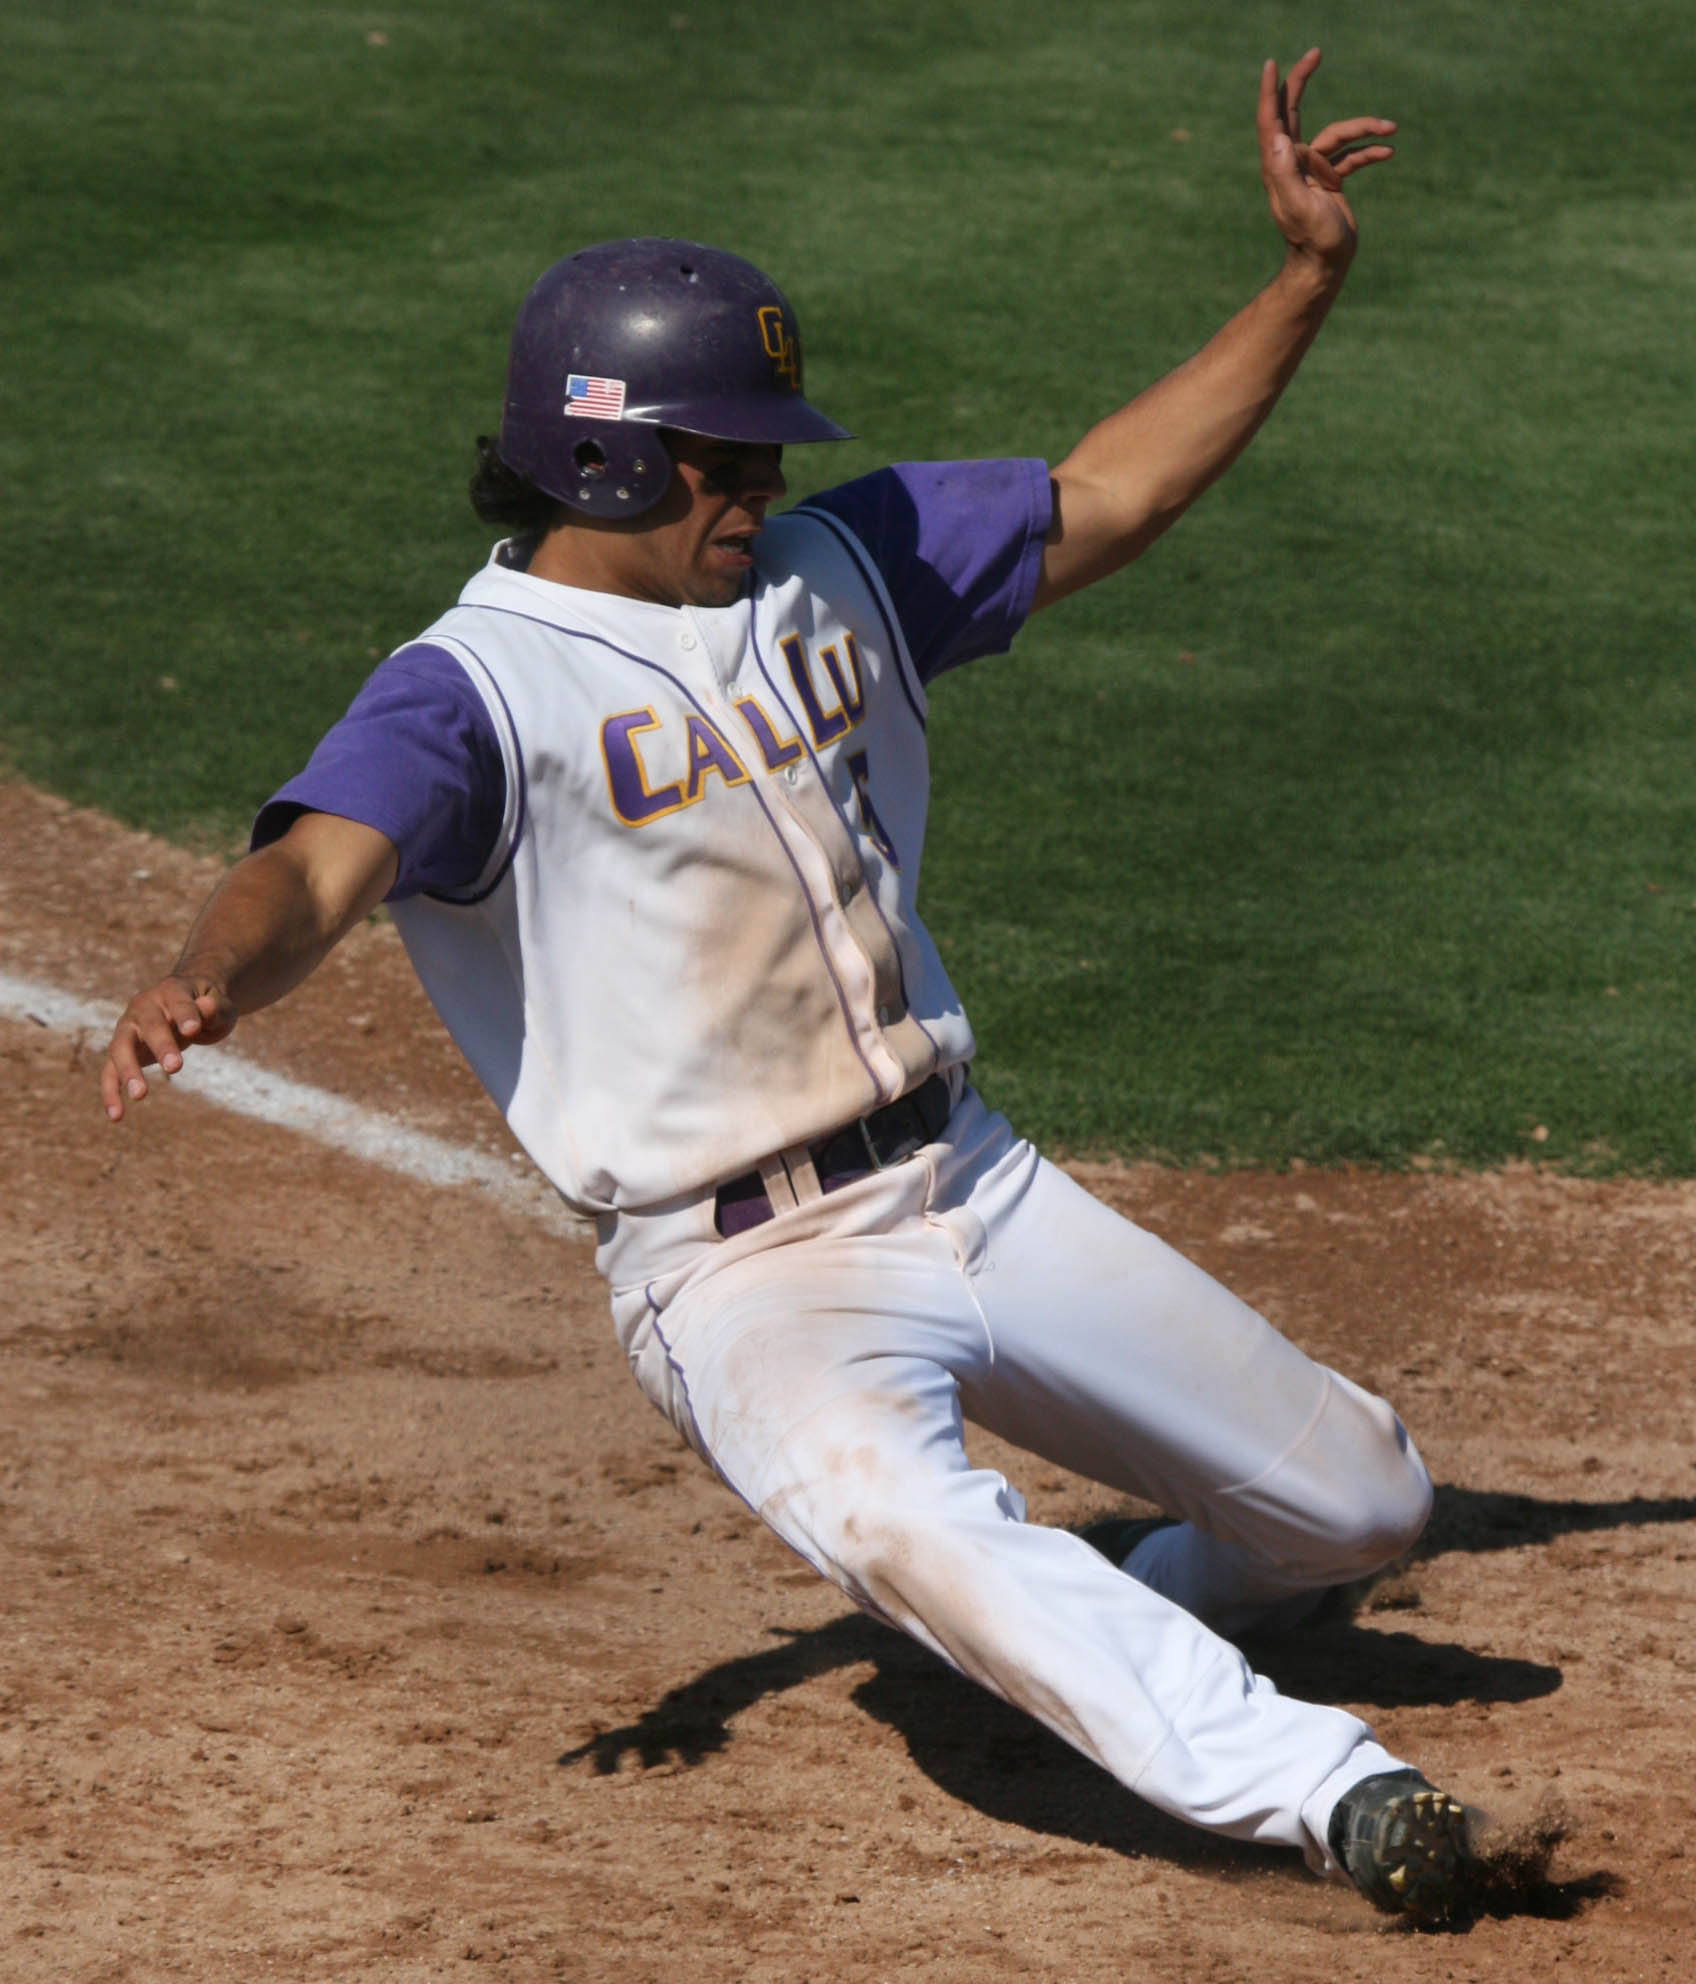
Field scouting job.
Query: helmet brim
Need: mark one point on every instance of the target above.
(777, 422)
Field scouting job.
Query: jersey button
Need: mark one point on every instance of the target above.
(845, 894)
(686, 641)
(883, 1016)
(790, 774)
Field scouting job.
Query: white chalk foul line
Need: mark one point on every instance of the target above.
(224, 1078)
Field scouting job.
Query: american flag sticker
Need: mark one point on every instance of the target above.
(594, 399)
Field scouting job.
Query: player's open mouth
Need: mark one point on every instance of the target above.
(740, 548)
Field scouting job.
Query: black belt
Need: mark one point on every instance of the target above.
(887, 1136)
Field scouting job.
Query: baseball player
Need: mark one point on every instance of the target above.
(648, 805)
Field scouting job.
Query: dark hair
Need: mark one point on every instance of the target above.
(500, 495)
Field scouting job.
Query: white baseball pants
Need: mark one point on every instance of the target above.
(823, 1363)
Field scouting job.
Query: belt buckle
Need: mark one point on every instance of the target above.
(908, 1145)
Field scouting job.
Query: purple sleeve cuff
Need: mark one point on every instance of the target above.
(416, 757)
(959, 545)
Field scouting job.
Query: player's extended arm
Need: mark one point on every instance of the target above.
(272, 919)
(1134, 475)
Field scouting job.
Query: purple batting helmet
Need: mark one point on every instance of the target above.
(631, 336)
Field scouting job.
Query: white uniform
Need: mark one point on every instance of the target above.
(697, 887)
(694, 952)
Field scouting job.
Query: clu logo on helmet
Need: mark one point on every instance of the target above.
(783, 349)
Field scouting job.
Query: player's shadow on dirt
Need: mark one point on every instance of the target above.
(1479, 1519)
(1333, 1663)
(1001, 1763)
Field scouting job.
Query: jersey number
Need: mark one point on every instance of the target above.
(876, 833)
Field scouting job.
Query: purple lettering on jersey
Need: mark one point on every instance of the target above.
(776, 752)
(852, 702)
(627, 784)
(826, 725)
(709, 752)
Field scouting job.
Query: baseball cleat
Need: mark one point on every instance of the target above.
(1404, 1845)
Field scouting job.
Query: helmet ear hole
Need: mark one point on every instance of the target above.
(590, 457)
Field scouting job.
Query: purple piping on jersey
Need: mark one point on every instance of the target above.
(801, 730)
(897, 646)
(688, 696)
(482, 895)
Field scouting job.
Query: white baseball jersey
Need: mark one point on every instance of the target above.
(689, 939)
(697, 942)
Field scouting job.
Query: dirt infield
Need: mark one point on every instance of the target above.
(362, 1622)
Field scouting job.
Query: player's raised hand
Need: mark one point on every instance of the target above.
(1304, 177)
(156, 1029)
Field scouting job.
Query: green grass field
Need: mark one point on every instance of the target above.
(1356, 823)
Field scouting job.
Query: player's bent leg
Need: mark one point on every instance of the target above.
(835, 1414)
(1118, 1358)
(1134, 1682)
(1238, 1588)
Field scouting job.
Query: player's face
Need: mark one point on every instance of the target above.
(696, 546)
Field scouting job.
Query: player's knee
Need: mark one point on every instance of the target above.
(1361, 1512)
(1392, 1510)
(1383, 1498)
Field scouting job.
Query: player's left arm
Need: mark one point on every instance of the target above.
(1132, 476)
(270, 922)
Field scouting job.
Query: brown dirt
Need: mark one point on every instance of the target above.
(362, 1622)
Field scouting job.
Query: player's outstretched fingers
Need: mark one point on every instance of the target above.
(156, 1027)
(1346, 144)
(1350, 131)
(120, 1074)
(1291, 89)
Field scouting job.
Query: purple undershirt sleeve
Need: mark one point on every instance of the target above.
(959, 545)
(416, 757)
